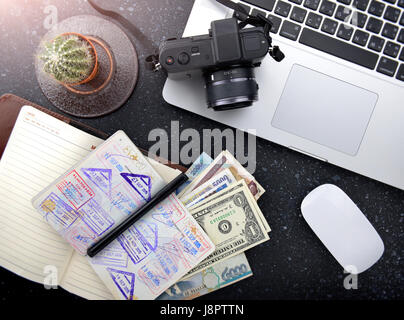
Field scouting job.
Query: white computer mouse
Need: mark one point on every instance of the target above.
(342, 228)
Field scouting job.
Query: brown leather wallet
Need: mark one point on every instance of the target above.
(10, 106)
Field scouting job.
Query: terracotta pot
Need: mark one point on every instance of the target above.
(95, 69)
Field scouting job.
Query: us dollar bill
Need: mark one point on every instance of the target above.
(230, 188)
(220, 275)
(232, 223)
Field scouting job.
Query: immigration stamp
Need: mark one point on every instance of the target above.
(58, 212)
(139, 241)
(124, 281)
(158, 271)
(100, 177)
(140, 183)
(74, 188)
(95, 217)
(112, 256)
(80, 237)
(122, 199)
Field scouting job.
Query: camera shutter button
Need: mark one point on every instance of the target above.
(183, 58)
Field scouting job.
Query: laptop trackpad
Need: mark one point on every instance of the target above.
(325, 110)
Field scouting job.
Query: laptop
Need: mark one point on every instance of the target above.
(337, 96)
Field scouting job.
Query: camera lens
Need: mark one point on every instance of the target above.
(231, 88)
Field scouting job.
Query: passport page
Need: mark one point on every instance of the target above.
(103, 189)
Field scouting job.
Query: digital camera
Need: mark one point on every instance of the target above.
(226, 57)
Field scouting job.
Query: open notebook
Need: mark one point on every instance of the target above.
(39, 150)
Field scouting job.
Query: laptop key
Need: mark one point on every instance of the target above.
(296, 1)
(391, 49)
(276, 23)
(402, 19)
(246, 8)
(400, 73)
(376, 8)
(311, 4)
(345, 32)
(360, 37)
(401, 57)
(376, 43)
(359, 19)
(400, 3)
(360, 4)
(347, 2)
(389, 31)
(314, 20)
(329, 26)
(338, 48)
(390, 1)
(342, 13)
(255, 12)
(400, 37)
(282, 8)
(298, 14)
(290, 30)
(374, 25)
(264, 4)
(392, 14)
(387, 66)
(327, 7)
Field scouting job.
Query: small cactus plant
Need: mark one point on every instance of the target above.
(68, 58)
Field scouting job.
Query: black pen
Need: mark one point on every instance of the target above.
(132, 218)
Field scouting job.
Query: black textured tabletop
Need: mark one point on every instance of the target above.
(294, 264)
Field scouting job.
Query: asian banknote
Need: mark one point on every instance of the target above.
(220, 275)
(218, 182)
(226, 160)
(200, 164)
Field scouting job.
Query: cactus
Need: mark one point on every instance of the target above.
(68, 59)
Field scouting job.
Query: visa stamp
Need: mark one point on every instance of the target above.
(74, 188)
(112, 256)
(139, 241)
(95, 217)
(57, 212)
(80, 237)
(100, 177)
(158, 271)
(124, 281)
(140, 183)
(123, 200)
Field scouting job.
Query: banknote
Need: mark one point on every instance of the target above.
(232, 223)
(200, 164)
(226, 160)
(230, 188)
(218, 182)
(222, 274)
(100, 191)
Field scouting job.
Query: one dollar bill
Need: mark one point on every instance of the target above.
(228, 189)
(232, 223)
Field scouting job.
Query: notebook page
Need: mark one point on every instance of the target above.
(40, 149)
(80, 278)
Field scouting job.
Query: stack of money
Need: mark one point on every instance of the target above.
(222, 196)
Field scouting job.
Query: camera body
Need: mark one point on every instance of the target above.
(226, 57)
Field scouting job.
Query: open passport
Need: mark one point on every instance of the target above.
(162, 248)
(82, 186)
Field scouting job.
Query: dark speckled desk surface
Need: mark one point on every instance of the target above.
(293, 264)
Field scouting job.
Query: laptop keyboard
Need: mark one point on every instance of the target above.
(368, 33)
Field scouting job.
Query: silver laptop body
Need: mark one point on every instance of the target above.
(346, 113)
